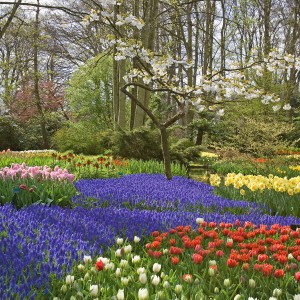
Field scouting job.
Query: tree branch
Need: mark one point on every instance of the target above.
(65, 9)
(143, 107)
(148, 88)
(147, 111)
(173, 119)
(10, 18)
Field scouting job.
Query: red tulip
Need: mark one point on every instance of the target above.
(99, 265)
(174, 260)
(278, 273)
(231, 263)
(197, 258)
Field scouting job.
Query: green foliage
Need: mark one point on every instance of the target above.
(141, 143)
(257, 137)
(90, 101)
(42, 158)
(153, 167)
(184, 151)
(10, 134)
(294, 134)
(81, 137)
(25, 135)
(24, 192)
(89, 93)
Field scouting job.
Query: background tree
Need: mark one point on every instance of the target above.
(205, 35)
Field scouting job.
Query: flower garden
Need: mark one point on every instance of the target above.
(107, 228)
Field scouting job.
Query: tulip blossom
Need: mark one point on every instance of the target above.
(94, 290)
(143, 294)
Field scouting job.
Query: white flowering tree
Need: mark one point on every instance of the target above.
(150, 71)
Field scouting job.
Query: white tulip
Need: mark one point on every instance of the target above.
(127, 249)
(87, 259)
(136, 239)
(120, 295)
(136, 259)
(118, 272)
(124, 280)
(69, 279)
(156, 268)
(120, 241)
(178, 288)
(143, 278)
(143, 294)
(155, 280)
(94, 290)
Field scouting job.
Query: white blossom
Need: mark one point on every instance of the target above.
(143, 294)
(178, 288)
(277, 292)
(286, 107)
(128, 249)
(94, 290)
(276, 108)
(155, 280)
(124, 280)
(120, 241)
(118, 272)
(143, 278)
(87, 259)
(156, 267)
(136, 259)
(227, 282)
(69, 279)
(123, 263)
(136, 239)
(120, 294)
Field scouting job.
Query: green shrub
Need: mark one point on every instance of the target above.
(10, 134)
(141, 143)
(184, 151)
(82, 137)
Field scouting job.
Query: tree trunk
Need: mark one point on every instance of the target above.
(165, 151)
(38, 100)
(223, 37)
(291, 82)
(162, 126)
(148, 37)
(190, 77)
(267, 42)
(199, 139)
(116, 86)
(10, 18)
(122, 96)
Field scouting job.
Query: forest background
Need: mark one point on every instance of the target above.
(60, 87)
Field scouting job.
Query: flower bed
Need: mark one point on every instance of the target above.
(155, 192)
(39, 242)
(219, 261)
(280, 194)
(22, 185)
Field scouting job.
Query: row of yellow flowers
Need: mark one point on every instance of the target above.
(295, 168)
(258, 183)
